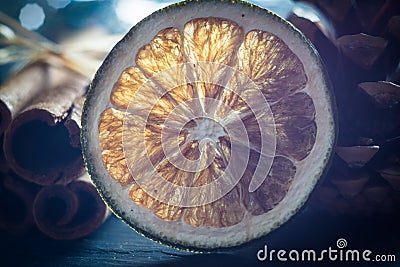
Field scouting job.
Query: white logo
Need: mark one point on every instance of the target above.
(341, 243)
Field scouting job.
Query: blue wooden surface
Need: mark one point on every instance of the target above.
(115, 244)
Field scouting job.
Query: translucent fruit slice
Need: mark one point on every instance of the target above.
(209, 124)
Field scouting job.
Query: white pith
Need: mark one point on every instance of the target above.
(205, 129)
(308, 170)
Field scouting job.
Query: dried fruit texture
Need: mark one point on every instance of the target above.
(362, 49)
(296, 129)
(366, 89)
(111, 145)
(271, 65)
(211, 39)
(268, 61)
(129, 82)
(209, 132)
(384, 94)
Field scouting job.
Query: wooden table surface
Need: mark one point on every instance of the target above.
(115, 244)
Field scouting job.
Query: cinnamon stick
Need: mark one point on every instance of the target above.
(16, 205)
(69, 211)
(42, 143)
(19, 90)
(3, 164)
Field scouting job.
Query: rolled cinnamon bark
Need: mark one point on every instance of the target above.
(70, 211)
(3, 164)
(16, 204)
(42, 143)
(18, 91)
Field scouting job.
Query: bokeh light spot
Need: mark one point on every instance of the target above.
(57, 4)
(31, 16)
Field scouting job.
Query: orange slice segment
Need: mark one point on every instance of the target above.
(209, 124)
(271, 64)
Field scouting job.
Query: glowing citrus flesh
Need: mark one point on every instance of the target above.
(268, 62)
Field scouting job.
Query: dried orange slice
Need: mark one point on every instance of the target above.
(209, 124)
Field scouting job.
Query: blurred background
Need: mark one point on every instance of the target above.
(59, 19)
(115, 243)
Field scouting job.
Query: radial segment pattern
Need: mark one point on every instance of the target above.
(183, 119)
